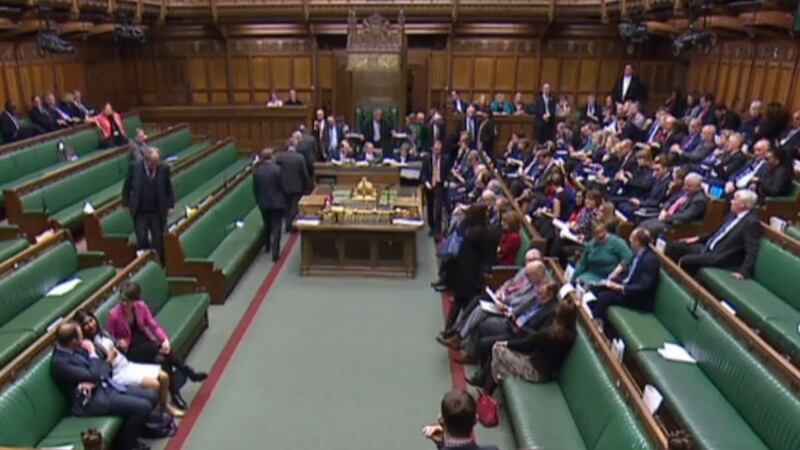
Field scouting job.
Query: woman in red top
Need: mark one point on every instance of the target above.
(112, 128)
(510, 241)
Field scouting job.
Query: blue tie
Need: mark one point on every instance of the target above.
(633, 269)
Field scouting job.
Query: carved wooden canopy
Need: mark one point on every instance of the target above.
(375, 44)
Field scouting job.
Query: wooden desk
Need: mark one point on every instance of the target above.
(364, 250)
(326, 173)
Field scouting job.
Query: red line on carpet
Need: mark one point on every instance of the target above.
(202, 397)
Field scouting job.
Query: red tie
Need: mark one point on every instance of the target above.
(678, 204)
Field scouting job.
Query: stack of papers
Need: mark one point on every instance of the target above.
(565, 232)
(409, 222)
(652, 398)
(491, 307)
(776, 223)
(674, 352)
(88, 208)
(63, 288)
(307, 221)
(565, 290)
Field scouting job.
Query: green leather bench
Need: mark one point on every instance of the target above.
(33, 162)
(769, 301)
(728, 400)
(23, 122)
(64, 199)
(583, 409)
(25, 311)
(793, 231)
(786, 206)
(191, 187)
(11, 242)
(35, 413)
(215, 239)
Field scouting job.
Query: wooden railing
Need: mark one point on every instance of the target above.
(251, 126)
(505, 125)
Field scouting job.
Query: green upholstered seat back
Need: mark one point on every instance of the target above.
(31, 406)
(197, 174)
(131, 123)
(604, 420)
(22, 287)
(236, 205)
(118, 222)
(673, 309)
(154, 285)
(768, 405)
(793, 195)
(35, 158)
(84, 142)
(778, 270)
(793, 232)
(390, 113)
(173, 142)
(524, 246)
(71, 189)
(8, 169)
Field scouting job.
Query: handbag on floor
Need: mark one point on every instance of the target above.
(488, 411)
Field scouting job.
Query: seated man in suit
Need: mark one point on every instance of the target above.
(685, 206)
(42, 117)
(752, 171)
(60, 112)
(456, 421)
(343, 153)
(12, 127)
(734, 245)
(790, 139)
(637, 289)
(85, 379)
(87, 109)
(692, 159)
(749, 128)
(776, 181)
(655, 196)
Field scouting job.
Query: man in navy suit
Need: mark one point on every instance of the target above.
(85, 379)
(456, 421)
(637, 289)
(271, 199)
(435, 168)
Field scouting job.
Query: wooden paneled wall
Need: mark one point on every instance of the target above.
(576, 67)
(25, 73)
(738, 72)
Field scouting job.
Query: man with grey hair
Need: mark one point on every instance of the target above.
(733, 246)
(685, 206)
(754, 120)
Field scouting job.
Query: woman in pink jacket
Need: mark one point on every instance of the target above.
(143, 340)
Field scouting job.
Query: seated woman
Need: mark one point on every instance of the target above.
(112, 129)
(538, 356)
(579, 224)
(274, 101)
(125, 372)
(142, 339)
(605, 255)
(510, 240)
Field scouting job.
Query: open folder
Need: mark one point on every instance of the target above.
(674, 352)
(64, 287)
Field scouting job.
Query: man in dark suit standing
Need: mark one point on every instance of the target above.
(486, 133)
(306, 145)
(470, 125)
(629, 87)
(378, 131)
(147, 193)
(85, 379)
(456, 421)
(332, 137)
(11, 127)
(271, 199)
(437, 128)
(708, 115)
(295, 181)
(637, 289)
(544, 110)
(459, 105)
(733, 246)
(685, 206)
(435, 168)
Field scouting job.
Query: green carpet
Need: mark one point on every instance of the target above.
(331, 363)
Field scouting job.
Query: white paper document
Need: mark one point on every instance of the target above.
(652, 398)
(239, 224)
(588, 297)
(88, 208)
(491, 308)
(565, 290)
(491, 295)
(661, 244)
(307, 221)
(63, 288)
(569, 271)
(727, 307)
(618, 348)
(776, 223)
(409, 222)
(674, 352)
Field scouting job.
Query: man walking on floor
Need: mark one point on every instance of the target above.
(296, 181)
(268, 188)
(147, 193)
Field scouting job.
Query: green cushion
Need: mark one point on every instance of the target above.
(154, 285)
(793, 231)
(525, 245)
(11, 247)
(698, 405)
(173, 142)
(204, 235)
(181, 315)
(641, 331)
(12, 343)
(774, 267)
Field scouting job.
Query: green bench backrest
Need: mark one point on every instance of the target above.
(769, 407)
(672, 308)
(173, 142)
(205, 235)
(117, 222)
(31, 407)
(84, 142)
(71, 189)
(778, 270)
(602, 416)
(20, 288)
(524, 246)
(131, 123)
(197, 174)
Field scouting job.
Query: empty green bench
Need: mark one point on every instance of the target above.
(214, 239)
(728, 400)
(769, 301)
(64, 199)
(33, 162)
(582, 409)
(191, 187)
(33, 410)
(793, 231)
(10, 242)
(25, 311)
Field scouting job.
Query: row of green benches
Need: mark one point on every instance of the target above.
(34, 412)
(28, 163)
